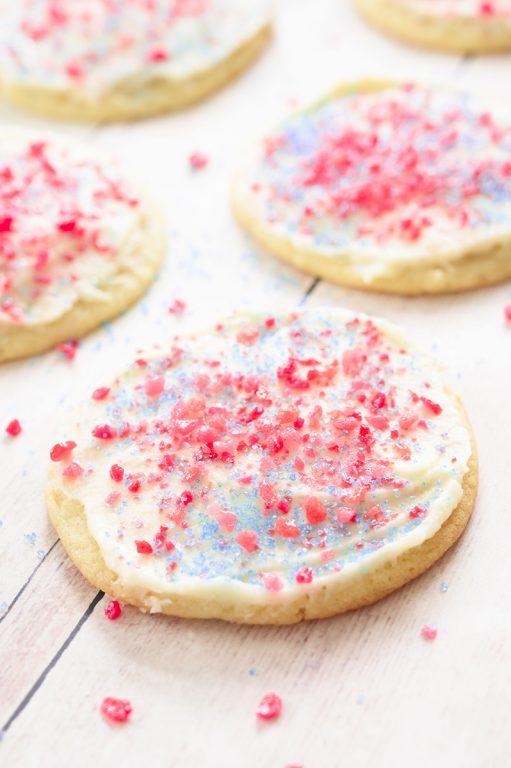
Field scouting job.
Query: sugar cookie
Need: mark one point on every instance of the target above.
(398, 188)
(78, 244)
(276, 469)
(124, 59)
(457, 26)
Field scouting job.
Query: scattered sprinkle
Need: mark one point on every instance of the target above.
(177, 307)
(113, 610)
(13, 428)
(428, 632)
(116, 710)
(269, 707)
(198, 161)
(69, 348)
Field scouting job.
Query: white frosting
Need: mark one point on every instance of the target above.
(421, 468)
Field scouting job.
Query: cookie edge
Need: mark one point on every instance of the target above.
(169, 95)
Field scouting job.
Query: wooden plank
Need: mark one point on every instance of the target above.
(45, 613)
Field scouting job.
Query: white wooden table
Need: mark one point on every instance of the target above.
(362, 689)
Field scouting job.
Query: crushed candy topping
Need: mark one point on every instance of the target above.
(388, 175)
(64, 219)
(318, 447)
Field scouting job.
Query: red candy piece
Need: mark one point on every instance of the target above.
(62, 451)
(116, 473)
(198, 161)
(144, 548)
(116, 710)
(69, 349)
(269, 707)
(73, 470)
(154, 387)
(101, 393)
(157, 55)
(314, 511)
(286, 529)
(177, 307)
(304, 575)
(429, 633)
(13, 428)
(113, 610)
(431, 406)
(104, 432)
(247, 540)
(271, 581)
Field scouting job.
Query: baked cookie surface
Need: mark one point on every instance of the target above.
(276, 469)
(123, 59)
(78, 244)
(399, 188)
(457, 26)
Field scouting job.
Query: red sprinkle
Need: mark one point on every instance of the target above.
(428, 633)
(507, 313)
(431, 406)
(304, 575)
(143, 547)
(177, 307)
(157, 55)
(101, 393)
(247, 540)
(198, 161)
(13, 428)
(104, 432)
(154, 387)
(269, 707)
(314, 510)
(69, 349)
(113, 610)
(73, 470)
(62, 451)
(116, 473)
(116, 710)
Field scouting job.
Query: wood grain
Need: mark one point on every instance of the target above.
(362, 689)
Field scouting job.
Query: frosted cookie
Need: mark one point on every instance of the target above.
(123, 59)
(276, 469)
(457, 26)
(78, 244)
(398, 188)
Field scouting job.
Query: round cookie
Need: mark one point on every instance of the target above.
(103, 60)
(275, 469)
(399, 188)
(78, 244)
(456, 26)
